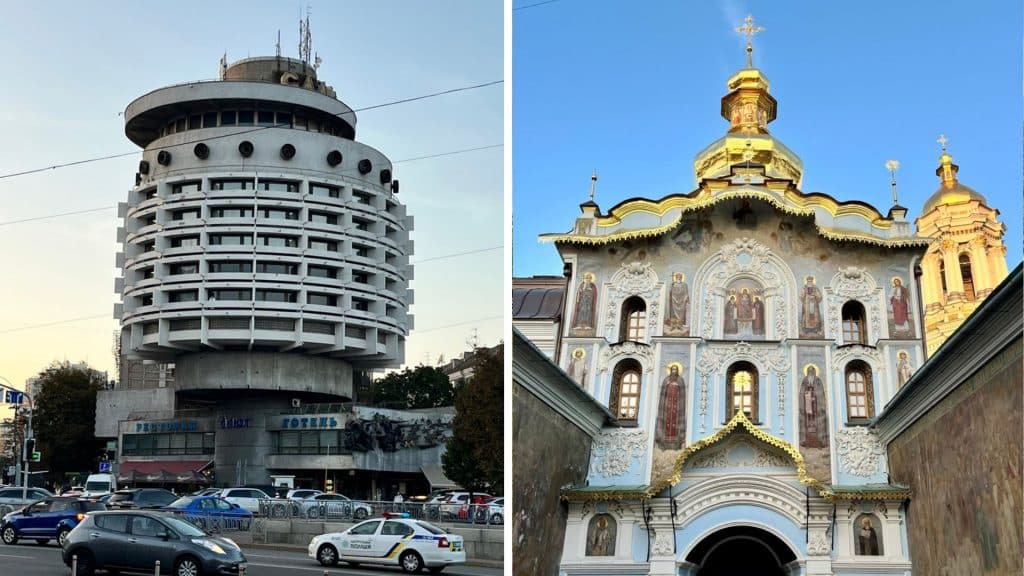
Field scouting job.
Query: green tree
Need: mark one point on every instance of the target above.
(475, 454)
(64, 419)
(422, 387)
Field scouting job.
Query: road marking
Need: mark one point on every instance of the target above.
(12, 556)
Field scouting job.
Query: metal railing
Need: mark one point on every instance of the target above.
(358, 510)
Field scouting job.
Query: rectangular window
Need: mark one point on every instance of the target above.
(230, 239)
(184, 241)
(230, 266)
(275, 296)
(284, 119)
(288, 442)
(361, 304)
(245, 117)
(361, 277)
(148, 247)
(179, 324)
(265, 118)
(279, 185)
(279, 241)
(183, 296)
(323, 218)
(361, 250)
(323, 272)
(191, 214)
(361, 224)
(231, 184)
(276, 268)
(279, 214)
(230, 212)
(179, 125)
(146, 273)
(184, 268)
(328, 245)
(361, 197)
(147, 194)
(149, 221)
(355, 332)
(318, 327)
(185, 187)
(210, 120)
(324, 190)
(322, 299)
(229, 294)
(146, 300)
(195, 122)
(228, 118)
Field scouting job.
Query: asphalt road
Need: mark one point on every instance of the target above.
(34, 560)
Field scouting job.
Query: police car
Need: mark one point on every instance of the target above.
(394, 539)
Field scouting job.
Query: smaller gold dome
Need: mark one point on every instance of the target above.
(950, 191)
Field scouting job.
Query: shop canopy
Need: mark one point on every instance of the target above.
(163, 471)
(436, 478)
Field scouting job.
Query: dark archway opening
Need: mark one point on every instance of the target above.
(741, 550)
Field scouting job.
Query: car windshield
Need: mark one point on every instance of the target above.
(93, 506)
(184, 527)
(182, 502)
(430, 527)
(97, 486)
(118, 496)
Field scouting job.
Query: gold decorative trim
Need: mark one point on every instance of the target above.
(793, 203)
(739, 420)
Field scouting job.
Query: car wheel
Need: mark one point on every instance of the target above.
(410, 561)
(62, 536)
(312, 513)
(187, 566)
(496, 519)
(327, 555)
(85, 566)
(42, 541)
(9, 535)
(360, 513)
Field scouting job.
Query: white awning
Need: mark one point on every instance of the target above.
(436, 478)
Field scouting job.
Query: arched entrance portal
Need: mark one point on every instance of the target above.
(741, 550)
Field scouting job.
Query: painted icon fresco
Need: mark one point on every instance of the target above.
(677, 321)
(867, 535)
(899, 309)
(585, 311)
(601, 536)
(670, 428)
(744, 310)
(813, 411)
(904, 369)
(811, 324)
(578, 367)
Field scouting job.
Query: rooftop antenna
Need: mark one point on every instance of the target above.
(224, 65)
(278, 45)
(305, 38)
(892, 166)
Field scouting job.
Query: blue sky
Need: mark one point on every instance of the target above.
(76, 65)
(633, 89)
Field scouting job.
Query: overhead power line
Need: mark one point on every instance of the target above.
(101, 208)
(532, 5)
(256, 129)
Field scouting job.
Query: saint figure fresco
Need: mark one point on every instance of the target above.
(744, 310)
(578, 367)
(904, 370)
(586, 305)
(758, 316)
(810, 310)
(601, 536)
(899, 303)
(730, 315)
(813, 419)
(670, 427)
(677, 322)
(867, 537)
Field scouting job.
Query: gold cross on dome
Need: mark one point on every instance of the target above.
(942, 141)
(748, 29)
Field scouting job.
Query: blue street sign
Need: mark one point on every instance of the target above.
(12, 397)
(104, 466)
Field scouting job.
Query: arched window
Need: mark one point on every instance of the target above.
(860, 398)
(634, 314)
(625, 400)
(741, 391)
(854, 326)
(942, 277)
(968, 278)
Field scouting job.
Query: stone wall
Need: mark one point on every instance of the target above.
(548, 452)
(963, 461)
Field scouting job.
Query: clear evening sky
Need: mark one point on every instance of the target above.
(74, 66)
(633, 89)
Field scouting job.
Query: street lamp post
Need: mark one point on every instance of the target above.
(25, 439)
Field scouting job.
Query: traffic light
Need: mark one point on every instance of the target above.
(35, 457)
(329, 485)
(30, 446)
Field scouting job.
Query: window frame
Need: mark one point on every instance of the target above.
(629, 413)
(862, 369)
(854, 328)
(754, 393)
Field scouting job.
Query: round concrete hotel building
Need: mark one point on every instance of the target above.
(265, 254)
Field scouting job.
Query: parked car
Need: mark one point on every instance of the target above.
(11, 497)
(331, 505)
(141, 498)
(133, 540)
(73, 491)
(411, 544)
(302, 493)
(47, 519)
(248, 498)
(206, 492)
(452, 502)
(211, 513)
(491, 511)
(100, 484)
(101, 499)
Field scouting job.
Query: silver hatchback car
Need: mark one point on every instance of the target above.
(133, 541)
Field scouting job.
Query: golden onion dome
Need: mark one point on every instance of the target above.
(950, 191)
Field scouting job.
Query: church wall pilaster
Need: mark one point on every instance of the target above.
(983, 280)
(954, 283)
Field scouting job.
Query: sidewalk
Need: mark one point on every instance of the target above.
(297, 548)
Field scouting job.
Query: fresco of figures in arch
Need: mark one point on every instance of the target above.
(670, 422)
(744, 314)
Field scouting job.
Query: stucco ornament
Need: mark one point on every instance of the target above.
(614, 450)
(633, 279)
(819, 544)
(713, 358)
(858, 352)
(664, 542)
(860, 453)
(612, 354)
(741, 452)
(853, 283)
